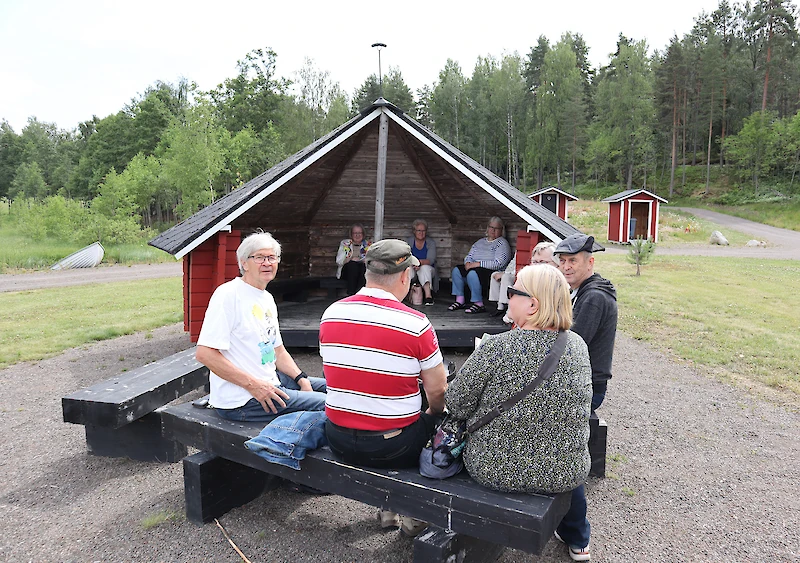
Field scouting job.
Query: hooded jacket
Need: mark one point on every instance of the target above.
(594, 318)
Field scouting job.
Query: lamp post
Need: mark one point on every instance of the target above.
(380, 75)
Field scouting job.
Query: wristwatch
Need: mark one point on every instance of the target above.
(301, 375)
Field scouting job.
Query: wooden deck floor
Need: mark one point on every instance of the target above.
(300, 323)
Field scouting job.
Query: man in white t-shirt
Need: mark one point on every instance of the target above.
(253, 377)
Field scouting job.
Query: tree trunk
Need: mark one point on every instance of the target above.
(766, 68)
(683, 150)
(674, 135)
(710, 126)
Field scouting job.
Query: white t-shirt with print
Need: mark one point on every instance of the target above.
(242, 323)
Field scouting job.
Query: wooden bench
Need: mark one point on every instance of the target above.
(333, 285)
(119, 413)
(468, 522)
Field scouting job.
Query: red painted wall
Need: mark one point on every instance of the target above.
(204, 269)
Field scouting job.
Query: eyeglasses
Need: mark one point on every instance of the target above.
(259, 259)
(514, 291)
(495, 228)
(420, 230)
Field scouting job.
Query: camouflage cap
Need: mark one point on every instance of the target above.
(389, 257)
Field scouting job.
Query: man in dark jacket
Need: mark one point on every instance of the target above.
(594, 313)
(594, 318)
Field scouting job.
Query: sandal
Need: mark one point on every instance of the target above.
(456, 306)
(475, 308)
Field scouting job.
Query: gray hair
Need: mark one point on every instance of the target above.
(497, 219)
(253, 243)
(546, 244)
(418, 222)
(383, 280)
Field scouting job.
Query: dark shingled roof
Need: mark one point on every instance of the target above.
(183, 234)
(628, 193)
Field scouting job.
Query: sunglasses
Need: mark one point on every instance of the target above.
(514, 291)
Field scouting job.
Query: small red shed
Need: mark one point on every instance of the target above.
(633, 214)
(553, 199)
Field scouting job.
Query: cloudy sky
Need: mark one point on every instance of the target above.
(63, 62)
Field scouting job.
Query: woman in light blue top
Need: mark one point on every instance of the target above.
(424, 249)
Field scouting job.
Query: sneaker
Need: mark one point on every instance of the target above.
(429, 301)
(576, 553)
(411, 526)
(388, 519)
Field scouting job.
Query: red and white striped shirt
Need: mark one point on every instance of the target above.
(373, 348)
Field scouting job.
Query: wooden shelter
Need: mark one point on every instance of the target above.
(633, 214)
(382, 169)
(554, 199)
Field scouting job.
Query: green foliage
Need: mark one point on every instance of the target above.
(28, 182)
(640, 252)
(395, 90)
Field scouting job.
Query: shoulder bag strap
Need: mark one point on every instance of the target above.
(547, 368)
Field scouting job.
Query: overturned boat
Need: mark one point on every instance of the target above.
(87, 257)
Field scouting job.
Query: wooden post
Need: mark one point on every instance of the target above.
(380, 185)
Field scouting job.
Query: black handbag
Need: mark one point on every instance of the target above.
(441, 456)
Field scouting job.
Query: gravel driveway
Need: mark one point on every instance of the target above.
(699, 471)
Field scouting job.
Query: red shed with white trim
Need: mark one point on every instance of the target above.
(553, 199)
(633, 214)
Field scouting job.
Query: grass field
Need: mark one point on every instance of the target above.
(41, 323)
(730, 317)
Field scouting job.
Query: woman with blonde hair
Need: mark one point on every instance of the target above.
(540, 445)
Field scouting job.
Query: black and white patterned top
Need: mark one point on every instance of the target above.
(541, 444)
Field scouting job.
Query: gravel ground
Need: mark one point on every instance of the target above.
(698, 471)
(48, 279)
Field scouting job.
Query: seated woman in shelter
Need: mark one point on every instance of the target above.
(487, 255)
(501, 281)
(540, 444)
(424, 249)
(350, 259)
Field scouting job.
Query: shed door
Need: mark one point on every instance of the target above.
(640, 212)
(550, 201)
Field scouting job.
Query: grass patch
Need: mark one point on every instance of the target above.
(728, 316)
(41, 323)
(160, 517)
(19, 253)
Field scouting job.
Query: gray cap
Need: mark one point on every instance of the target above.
(389, 257)
(574, 244)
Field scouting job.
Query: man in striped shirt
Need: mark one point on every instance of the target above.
(374, 349)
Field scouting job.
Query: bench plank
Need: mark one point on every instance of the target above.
(129, 396)
(521, 521)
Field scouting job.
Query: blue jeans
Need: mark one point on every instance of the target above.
(574, 528)
(252, 411)
(286, 439)
(597, 400)
(473, 279)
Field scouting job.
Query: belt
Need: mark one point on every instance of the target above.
(387, 434)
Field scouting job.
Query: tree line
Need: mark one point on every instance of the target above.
(725, 94)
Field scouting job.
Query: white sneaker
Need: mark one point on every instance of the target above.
(576, 553)
(388, 519)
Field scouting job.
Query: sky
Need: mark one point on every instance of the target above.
(64, 62)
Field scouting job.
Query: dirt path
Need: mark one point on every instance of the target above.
(101, 274)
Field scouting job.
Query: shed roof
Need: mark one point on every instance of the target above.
(187, 235)
(627, 194)
(550, 189)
